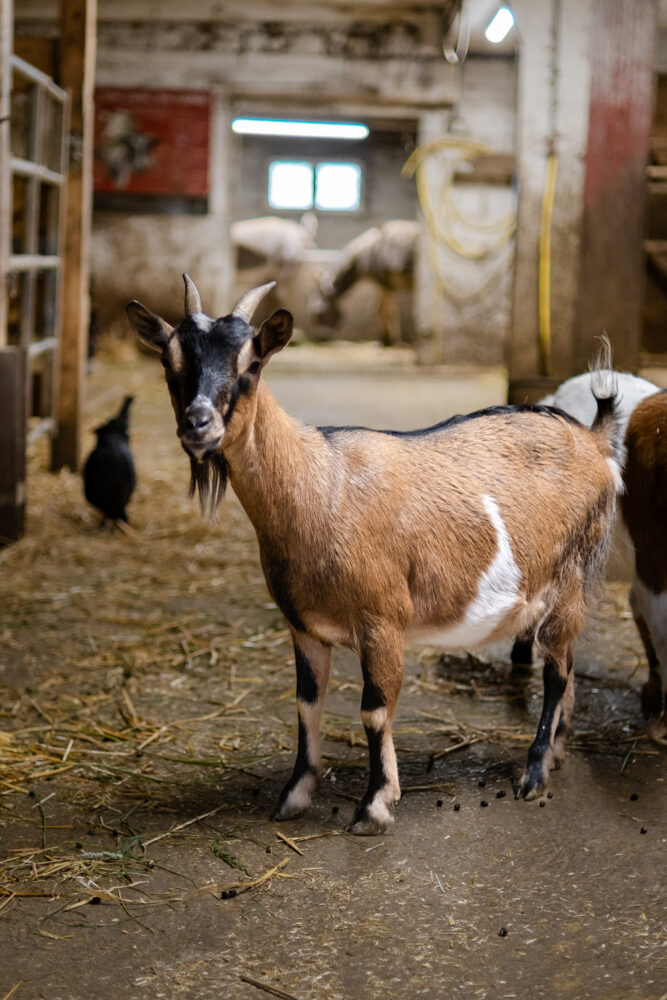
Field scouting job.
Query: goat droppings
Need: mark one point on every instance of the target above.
(457, 806)
(502, 932)
(227, 893)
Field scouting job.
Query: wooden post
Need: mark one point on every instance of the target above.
(6, 46)
(220, 185)
(620, 118)
(13, 429)
(77, 75)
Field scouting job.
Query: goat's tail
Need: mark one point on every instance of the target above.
(604, 386)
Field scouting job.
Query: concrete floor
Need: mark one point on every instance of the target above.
(559, 898)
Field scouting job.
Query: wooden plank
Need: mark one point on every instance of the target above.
(25, 168)
(6, 40)
(77, 75)
(13, 382)
(33, 262)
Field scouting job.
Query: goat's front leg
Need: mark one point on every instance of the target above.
(313, 660)
(382, 667)
(547, 748)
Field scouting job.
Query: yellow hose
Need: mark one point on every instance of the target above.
(438, 226)
(544, 281)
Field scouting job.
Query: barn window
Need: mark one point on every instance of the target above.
(290, 184)
(338, 186)
(299, 185)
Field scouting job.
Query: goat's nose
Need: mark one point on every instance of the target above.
(198, 418)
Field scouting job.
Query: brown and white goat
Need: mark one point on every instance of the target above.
(383, 254)
(644, 508)
(459, 534)
(642, 524)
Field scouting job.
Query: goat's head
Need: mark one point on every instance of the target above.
(322, 304)
(212, 368)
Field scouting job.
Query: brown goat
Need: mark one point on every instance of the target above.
(458, 534)
(644, 508)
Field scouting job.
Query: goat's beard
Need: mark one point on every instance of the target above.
(209, 480)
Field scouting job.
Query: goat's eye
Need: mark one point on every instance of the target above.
(254, 367)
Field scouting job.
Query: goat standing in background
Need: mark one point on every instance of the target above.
(458, 534)
(642, 420)
(644, 508)
(386, 255)
(109, 478)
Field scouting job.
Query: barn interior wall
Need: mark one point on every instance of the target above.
(327, 63)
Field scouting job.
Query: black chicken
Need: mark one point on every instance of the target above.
(108, 475)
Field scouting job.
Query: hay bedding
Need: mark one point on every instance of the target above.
(146, 683)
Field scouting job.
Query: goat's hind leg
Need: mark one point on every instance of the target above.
(313, 660)
(382, 667)
(548, 747)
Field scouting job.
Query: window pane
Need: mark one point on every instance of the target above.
(338, 186)
(290, 185)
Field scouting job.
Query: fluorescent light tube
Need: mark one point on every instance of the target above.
(298, 129)
(499, 25)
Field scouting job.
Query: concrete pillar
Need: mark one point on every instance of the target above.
(584, 97)
(552, 100)
(619, 122)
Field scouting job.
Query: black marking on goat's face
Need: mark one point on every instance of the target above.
(212, 370)
(216, 368)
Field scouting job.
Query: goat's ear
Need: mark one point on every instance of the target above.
(273, 334)
(153, 330)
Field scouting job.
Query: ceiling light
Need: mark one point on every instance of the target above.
(499, 25)
(298, 129)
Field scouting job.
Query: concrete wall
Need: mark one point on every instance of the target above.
(463, 301)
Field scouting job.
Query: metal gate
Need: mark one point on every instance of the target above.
(34, 135)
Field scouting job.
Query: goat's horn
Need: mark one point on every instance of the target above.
(250, 301)
(192, 300)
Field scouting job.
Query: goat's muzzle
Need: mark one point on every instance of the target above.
(201, 430)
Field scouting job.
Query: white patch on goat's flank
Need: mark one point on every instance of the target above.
(652, 608)
(497, 595)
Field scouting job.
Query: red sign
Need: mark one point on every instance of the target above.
(152, 141)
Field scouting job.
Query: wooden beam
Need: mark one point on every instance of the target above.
(13, 426)
(6, 45)
(77, 75)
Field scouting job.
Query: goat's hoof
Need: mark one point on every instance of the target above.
(371, 818)
(531, 787)
(296, 796)
(367, 827)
